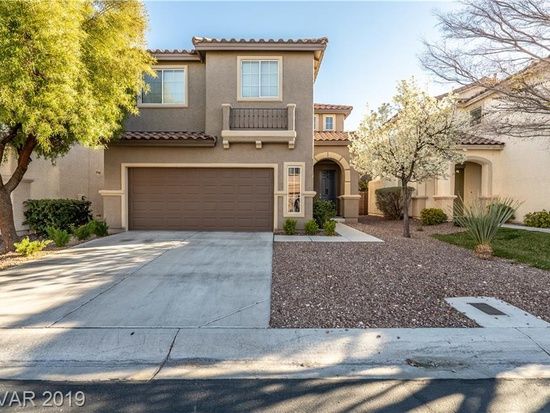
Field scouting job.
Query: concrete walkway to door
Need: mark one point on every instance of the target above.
(145, 279)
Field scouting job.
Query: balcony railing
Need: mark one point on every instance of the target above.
(256, 118)
(259, 125)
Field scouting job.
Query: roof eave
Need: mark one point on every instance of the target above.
(484, 146)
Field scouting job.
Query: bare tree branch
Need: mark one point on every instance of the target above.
(504, 47)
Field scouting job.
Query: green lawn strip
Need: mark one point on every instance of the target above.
(532, 248)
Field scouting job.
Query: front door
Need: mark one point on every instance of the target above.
(328, 185)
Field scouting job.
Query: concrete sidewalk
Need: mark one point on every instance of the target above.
(79, 354)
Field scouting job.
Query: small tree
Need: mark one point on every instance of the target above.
(412, 139)
(69, 73)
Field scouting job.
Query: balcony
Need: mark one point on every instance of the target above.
(259, 125)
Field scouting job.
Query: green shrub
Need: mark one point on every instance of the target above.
(311, 227)
(290, 226)
(433, 216)
(539, 219)
(482, 223)
(390, 201)
(98, 228)
(330, 227)
(323, 210)
(60, 237)
(27, 247)
(59, 213)
(82, 232)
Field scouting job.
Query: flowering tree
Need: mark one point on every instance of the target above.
(412, 139)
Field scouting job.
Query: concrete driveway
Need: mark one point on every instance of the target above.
(145, 279)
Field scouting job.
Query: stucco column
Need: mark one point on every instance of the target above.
(444, 191)
(486, 181)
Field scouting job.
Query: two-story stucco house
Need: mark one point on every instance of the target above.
(495, 166)
(224, 140)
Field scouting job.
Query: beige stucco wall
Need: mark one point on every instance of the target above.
(221, 87)
(191, 118)
(77, 174)
(521, 170)
(339, 119)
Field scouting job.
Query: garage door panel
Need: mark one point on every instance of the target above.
(239, 199)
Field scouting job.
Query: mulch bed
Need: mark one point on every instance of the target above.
(399, 283)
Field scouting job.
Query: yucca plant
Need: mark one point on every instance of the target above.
(482, 222)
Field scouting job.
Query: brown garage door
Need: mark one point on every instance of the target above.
(222, 199)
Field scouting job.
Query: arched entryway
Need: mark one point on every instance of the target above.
(472, 180)
(327, 181)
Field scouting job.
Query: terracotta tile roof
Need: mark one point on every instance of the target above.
(468, 139)
(166, 136)
(171, 51)
(328, 106)
(331, 136)
(208, 40)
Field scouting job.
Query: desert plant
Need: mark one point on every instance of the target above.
(513, 216)
(60, 237)
(330, 227)
(433, 216)
(26, 247)
(98, 228)
(390, 201)
(59, 213)
(289, 226)
(311, 227)
(82, 232)
(482, 223)
(539, 219)
(323, 210)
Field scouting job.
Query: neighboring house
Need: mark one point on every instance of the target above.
(494, 167)
(334, 179)
(223, 141)
(77, 174)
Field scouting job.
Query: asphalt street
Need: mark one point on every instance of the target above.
(198, 396)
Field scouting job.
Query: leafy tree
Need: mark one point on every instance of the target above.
(502, 46)
(69, 73)
(411, 140)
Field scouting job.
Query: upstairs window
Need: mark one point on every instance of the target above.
(260, 79)
(329, 123)
(167, 88)
(475, 116)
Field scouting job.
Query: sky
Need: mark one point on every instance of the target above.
(372, 45)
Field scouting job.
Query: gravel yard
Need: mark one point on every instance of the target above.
(399, 283)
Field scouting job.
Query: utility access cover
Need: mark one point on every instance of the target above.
(487, 309)
(492, 312)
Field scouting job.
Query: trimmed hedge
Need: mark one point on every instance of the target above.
(433, 216)
(290, 226)
(311, 227)
(390, 201)
(58, 213)
(538, 219)
(323, 211)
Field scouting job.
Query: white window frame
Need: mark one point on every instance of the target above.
(170, 105)
(287, 166)
(240, 96)
(325, 117)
